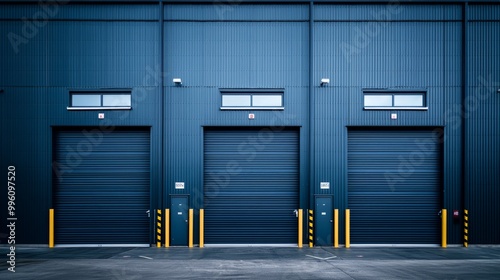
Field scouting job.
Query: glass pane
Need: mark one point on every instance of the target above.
(236, 101)
(409, 100)
(267, 100)
(378, 100)
(116, 100)
(85, 100)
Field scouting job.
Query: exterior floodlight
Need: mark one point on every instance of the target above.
(177, 81)
(325, 81)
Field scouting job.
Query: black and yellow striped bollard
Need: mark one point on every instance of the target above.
(466, 228)
(158, 228)
(311, 229)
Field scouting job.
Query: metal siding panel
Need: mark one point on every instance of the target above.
(330, 154)
(102, 54)
(482, 157)
(453, 196)
(392, 56)
(47, 10)
(330, 113)
(236, 11)
(395, 57)
(23, 55)
(251, 185)
(24, 145)
(395, 188)
(10, 11)
(484, 12)
(104, 195)
(237, 54)
(392, 11)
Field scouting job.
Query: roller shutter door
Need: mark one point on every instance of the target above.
(101, 189)
(395, 188)
(251, 186)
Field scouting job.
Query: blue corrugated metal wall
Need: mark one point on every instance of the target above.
(482, 116)
(88, 46)
(75, 52)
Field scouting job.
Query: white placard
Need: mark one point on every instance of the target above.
(324, 185)
(179, 185)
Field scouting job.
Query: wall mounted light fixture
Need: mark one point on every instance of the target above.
(177, 81)
(324, 82)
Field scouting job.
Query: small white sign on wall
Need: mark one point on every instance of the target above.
(179, 185)
(324, 185)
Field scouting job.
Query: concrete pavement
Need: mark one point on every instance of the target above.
(475, 262)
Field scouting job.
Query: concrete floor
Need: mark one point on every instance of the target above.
(475, 262)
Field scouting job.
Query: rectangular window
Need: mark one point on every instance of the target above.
(252, 99)
(236, 100)
(101, 100)
(116, 100)
(378, 100)
(408, 100)
(267, 100)
(87, 100)
(394, 100)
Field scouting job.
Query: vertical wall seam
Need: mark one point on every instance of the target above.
(465, 204)
(311, 103)
(162, 121)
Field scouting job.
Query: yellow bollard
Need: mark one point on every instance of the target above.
(190, 245)
(51, 228)
(347, 228)
(300, 229)
(167, 228)
(202, 228)
(443, 228)
(336, 228)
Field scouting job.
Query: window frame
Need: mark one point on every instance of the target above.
(393, 93)
(252, 92)
(101, 93)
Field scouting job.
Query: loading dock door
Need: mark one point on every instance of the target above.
(251, 186)
(395, 188)
(101, 189)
